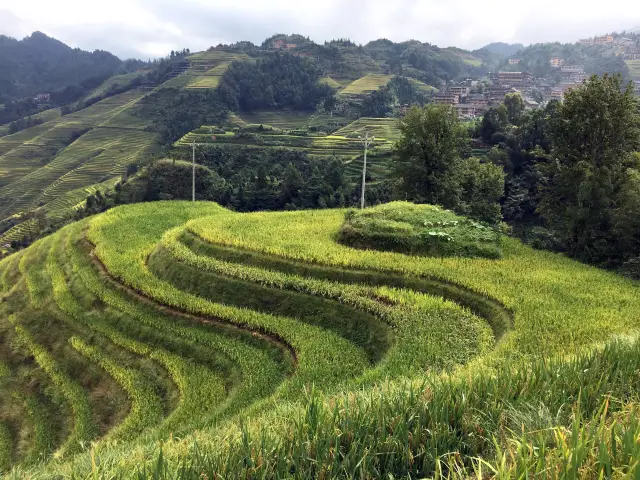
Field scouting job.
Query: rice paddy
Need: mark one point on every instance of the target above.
(188, 324)
(70, 153)
(365, 85)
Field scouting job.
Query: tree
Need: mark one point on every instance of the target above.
(515, 107)
(495, 120)
(428, 155)
(594, 134)
(482, 189)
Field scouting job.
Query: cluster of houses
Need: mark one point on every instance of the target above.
(620, 45)
(282, 45)
(471, 102)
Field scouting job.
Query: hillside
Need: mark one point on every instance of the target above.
(187, 323)
(40, 64)
(503, 49)
(43, 168)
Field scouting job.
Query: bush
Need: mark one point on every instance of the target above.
(419, 230)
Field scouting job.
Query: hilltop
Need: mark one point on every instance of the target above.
(39, 64)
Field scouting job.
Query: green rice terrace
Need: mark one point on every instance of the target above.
(204, 70)
(183, 340)
(293, 133)
(48, 167)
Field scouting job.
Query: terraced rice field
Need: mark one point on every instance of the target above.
(45, 116)
(338, 144)
(185, 323)
(117, 80)
(42, 164)
(423, 87)
(290, 120)
(634, 69)
(205, 69)
(365, 85)
(382, 128)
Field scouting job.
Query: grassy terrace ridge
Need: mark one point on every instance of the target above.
(280, 352)
(419, 230)
(344, 143)
(367, 84)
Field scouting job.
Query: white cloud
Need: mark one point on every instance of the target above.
(152, 27)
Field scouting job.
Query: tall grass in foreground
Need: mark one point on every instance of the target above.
(554, 419)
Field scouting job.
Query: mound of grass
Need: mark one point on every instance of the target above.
(419, 230)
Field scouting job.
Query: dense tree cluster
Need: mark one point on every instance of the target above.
(572, 171)
(277, 81)
(430, 165)
(26, 122)
(244, 180)
(173, 112)
(40, 64)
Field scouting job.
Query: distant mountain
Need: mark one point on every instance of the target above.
(504, 49)
(41, 64)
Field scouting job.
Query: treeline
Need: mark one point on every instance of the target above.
(174, 112)
(276, 81)
(573, 172)
(23, 123)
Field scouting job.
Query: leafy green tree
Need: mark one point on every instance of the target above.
(515, 107)
(495, 120)
(594, 134)
(483, 188)
(428, 155)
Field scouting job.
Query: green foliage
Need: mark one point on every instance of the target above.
(277, 81)
(483, 188)
(594, 133)
(427, 156)
(39, 64)
(515, 107)
(173, 112)
(166, 180)
(429, 165)
(419, 230)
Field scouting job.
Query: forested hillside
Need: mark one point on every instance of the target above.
(41, 64)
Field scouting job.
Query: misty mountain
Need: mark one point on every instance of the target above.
(504, 49)
(40, 64)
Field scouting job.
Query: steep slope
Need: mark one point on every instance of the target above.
(41, 164)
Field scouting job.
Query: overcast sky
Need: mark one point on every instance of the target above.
(151, 28)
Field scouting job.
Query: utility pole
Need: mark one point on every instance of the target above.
(193, 173)
(366, 141)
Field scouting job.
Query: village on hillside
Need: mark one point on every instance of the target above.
(472, 97)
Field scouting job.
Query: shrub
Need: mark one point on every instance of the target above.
(419, 230)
